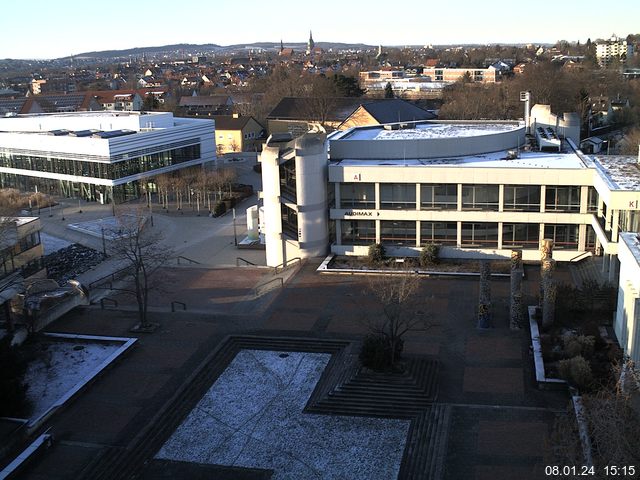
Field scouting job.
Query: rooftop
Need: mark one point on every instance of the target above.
(430, 130)
(632, 240)
(621, 172)
(555, 160)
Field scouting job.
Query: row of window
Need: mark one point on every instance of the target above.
(110, 171)
(473, 235)
(525, 198)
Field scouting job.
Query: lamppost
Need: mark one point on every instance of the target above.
(235, 238)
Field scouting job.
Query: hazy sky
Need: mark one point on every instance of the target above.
(47, 29)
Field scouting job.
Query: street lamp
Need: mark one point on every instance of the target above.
(235, 238)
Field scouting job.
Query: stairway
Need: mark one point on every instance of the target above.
(424, 454)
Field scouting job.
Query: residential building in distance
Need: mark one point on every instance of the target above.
(120, 100)
(295, 114)
(205, 105)
(102, 156)
(390, 110)
(614, 48)
(235, 133)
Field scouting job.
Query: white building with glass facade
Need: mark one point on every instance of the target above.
(102, 155)
(477, 189)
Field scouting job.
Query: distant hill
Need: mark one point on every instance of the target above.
(186, 47)
(191, 49)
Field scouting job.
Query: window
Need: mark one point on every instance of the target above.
(565, 237)
(480, 197)
(562, 199)
(288, 179)
(479, 235)
(397, 196)
(591, 239)
(358, 232)
(592, 200)
(357, 195)
(289, 221)
(520, 235)
(439, 197)
(402, 233)
(522, 198)
(439, 232)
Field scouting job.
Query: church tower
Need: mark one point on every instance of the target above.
(310, 44)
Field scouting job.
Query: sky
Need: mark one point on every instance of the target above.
(46, 29)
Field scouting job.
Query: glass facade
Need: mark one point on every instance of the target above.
(357, 195)
(358, 232)
(562, 199)
(439, 197)
(592, 201)
(522, 198)
(520, 235)
(288, 179)
(289, 221)
(479, 235)
(108, 171)
(480, 197)
(565, 237)
(441, 233)
(400, 196)
(401, 233)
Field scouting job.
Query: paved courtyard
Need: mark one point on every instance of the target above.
(499, 425)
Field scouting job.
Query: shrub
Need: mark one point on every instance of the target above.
(373, 353)
(376, 253)
(575, 345)
(376, 352)
(219, 209)
(429, 255)
(576, 371)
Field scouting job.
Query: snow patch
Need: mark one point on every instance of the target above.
(252, 417)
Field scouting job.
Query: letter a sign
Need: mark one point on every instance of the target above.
(357, 177)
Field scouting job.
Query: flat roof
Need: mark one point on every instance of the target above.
(531, 159)
(430, 130)
(632, 240)
(622, 172)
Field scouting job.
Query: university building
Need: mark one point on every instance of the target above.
(101, 156)
(477, 189)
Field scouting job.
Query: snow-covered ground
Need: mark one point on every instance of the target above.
(52, 244)
(111, 227)
(252, 417)
(59, 367)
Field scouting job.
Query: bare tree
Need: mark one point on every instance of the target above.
(142, 251)
(402, 309)
(612, 418)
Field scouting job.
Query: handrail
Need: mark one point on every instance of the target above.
(175, 302)
(258, 290)
(583, 254)
(189, 260)
(284, 265)
(113, 301)
(111, 276)
(247, 262)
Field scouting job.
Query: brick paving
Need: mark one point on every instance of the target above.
(500, 421)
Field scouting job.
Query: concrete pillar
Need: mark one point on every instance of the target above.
(459, 197)
(584, 199)
(501, 198)
(418, 196)
(543, 197)
(615, 218)
(582, 238)
(376, 188)
(613, 268)
(311, 192)
(499, 235)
